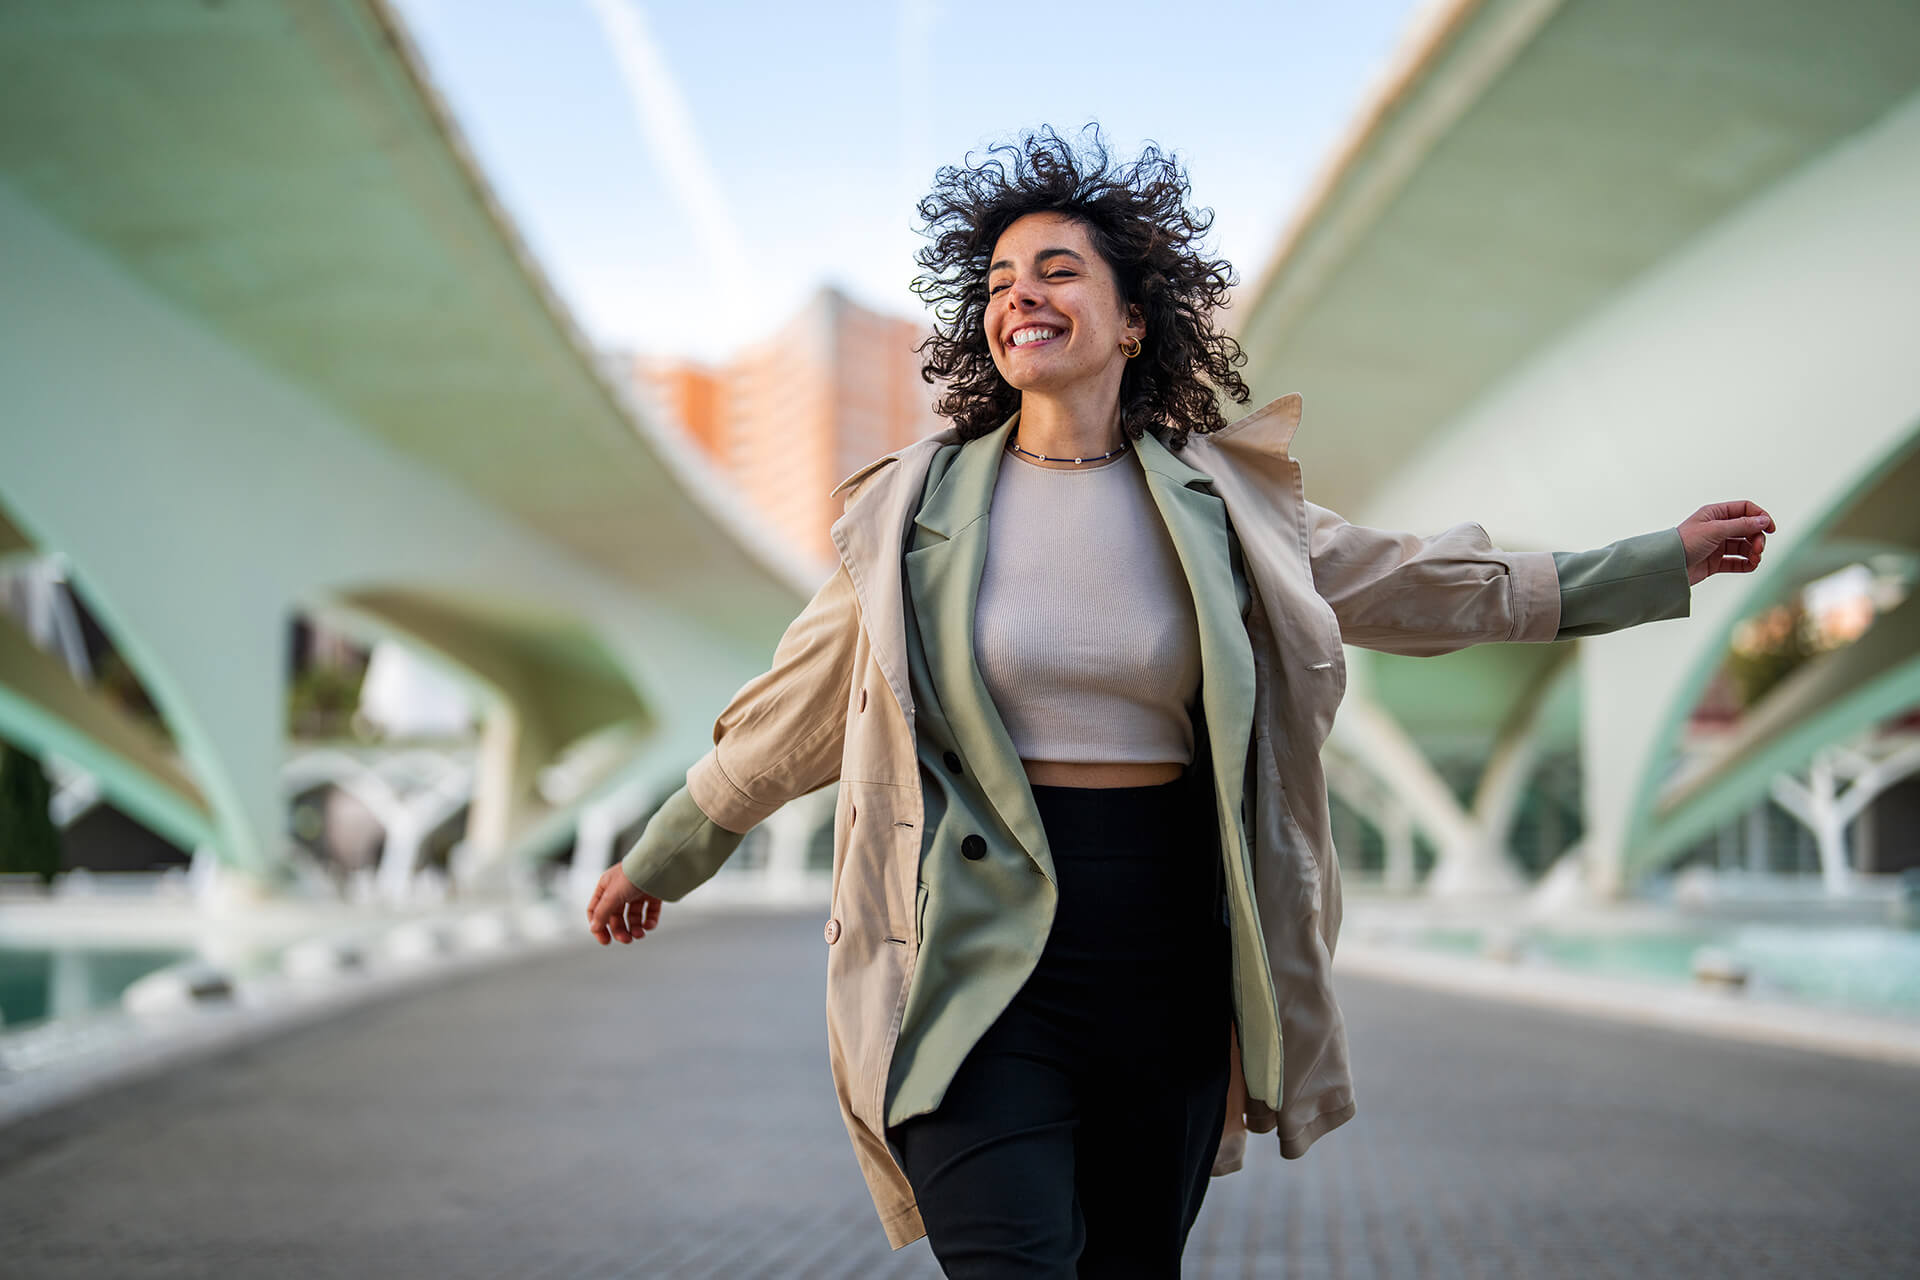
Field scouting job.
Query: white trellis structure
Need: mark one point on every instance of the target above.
(1842, 780)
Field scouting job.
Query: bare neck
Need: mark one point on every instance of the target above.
(1080, 423)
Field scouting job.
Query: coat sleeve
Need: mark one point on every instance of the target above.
(1421, 596)
(780, 736)
(1402, 593)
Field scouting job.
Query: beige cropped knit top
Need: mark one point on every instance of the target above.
(1085, 631)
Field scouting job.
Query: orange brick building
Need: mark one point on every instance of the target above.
(787, 418)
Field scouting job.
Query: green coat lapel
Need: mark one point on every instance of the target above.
(1196, 520)
(947, 552)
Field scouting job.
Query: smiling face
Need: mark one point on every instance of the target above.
(1054, 318)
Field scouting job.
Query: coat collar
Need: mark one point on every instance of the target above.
(1268, 429)
(964, 493)
(870, 536)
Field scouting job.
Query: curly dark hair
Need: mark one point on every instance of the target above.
(1136, 214)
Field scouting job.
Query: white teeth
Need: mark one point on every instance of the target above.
(1025, 336)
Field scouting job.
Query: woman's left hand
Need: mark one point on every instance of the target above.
(1724, 537)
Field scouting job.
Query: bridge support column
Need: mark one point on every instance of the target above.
(1470, 860)
(1396, 829)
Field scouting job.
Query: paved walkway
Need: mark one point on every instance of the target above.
(665, 1110)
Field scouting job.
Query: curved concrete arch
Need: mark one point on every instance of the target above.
(342, 368)
(46, 710)
(200, 589)
(1608, 398)
(1728, 331)
(1833, 697)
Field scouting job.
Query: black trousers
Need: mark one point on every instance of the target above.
(1078, 1135)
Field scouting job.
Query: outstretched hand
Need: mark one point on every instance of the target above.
(1724, 537)
(612, 913)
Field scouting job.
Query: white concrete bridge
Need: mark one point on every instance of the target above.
(270, 347)
(1580, 268)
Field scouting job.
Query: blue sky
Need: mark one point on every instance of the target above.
(688, 173)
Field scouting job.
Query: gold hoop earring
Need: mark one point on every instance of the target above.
(1130, 351)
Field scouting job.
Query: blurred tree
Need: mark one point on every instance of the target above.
(321, 700)
(29, 841)
(1768, 648)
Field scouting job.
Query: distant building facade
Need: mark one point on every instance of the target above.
(789, 417)
(692, 394)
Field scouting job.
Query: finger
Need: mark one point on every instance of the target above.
(1740, 509)
(599, 888)
(653, 913)
(1742, 555)
(606, 919)
(1738, 528)
(1728, 519)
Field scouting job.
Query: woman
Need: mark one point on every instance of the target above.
(1084, 887)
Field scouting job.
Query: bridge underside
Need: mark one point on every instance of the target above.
(1595, 265)
(272, 349)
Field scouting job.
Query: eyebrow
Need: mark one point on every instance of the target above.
(1040, 258)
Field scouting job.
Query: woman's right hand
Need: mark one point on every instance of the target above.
(609, 911)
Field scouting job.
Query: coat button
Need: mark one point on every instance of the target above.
(952, 762)
(974, 847)
(863, 699)
(833, 931)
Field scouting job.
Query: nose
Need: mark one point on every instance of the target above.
(1021, 297)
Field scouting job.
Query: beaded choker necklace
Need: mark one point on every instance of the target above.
(1013, 443)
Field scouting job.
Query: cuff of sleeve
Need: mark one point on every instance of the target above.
(1536, 596)
(717, 794)
(679, 850)
(1623, 584)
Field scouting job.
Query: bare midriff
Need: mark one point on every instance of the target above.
(1121, 773)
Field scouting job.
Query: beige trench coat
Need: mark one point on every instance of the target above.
(837, 704)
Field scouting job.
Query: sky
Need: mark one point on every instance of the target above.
(688, 174)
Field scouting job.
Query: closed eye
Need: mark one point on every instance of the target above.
(1051, 275)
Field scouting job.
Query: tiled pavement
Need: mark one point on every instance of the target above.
(664, 1110)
